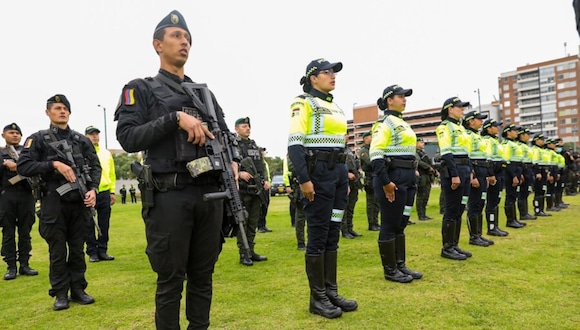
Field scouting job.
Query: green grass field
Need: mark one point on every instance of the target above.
(528, 280)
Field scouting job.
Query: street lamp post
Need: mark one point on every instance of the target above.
(478, 99)
(105, 123)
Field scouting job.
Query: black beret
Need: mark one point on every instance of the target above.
(365, 134)
(12, 127)
(245, 120)
(173, 19)
(58, 98)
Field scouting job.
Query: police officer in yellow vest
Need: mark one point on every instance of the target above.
(97, 246)
(554, 175)
(527, 172)
(480, 156)
(455, 145)
(513, 155)
(495, 179)
(540, 164)
(316, 146)
(392, 153)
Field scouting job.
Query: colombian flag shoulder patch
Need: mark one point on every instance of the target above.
(28, 143)
(129, 96)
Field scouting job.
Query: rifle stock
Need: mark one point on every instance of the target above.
(220, 155)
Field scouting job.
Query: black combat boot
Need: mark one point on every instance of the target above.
(81, 297)
(448, 233)
(257, 258)
(61, 302)
(474, 237)
(246, 259)
(11, 271)
(319, 302)
(389, 261)
(523, 208)
(479, 230)
(401, 255)
(456, 240)
(492, 228)
(330, 261)
(510, 213)
(26, 270)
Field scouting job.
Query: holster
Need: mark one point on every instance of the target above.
(444, 173)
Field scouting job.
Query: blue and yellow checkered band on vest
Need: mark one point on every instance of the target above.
(397, 139)
(318, 124)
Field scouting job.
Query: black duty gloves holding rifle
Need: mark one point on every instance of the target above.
(221, 157)
(78, 180)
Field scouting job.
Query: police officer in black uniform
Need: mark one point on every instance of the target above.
(249, 189)
(367, 166)
(354, 184)
(16, 207)
(63, 218)
(183, 231)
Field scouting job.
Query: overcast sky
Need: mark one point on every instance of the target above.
(253, 53)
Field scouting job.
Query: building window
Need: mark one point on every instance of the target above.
(574, 120)
(506, 104)
(506, 87)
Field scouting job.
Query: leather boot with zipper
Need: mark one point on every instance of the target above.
(388, 259)
(401, 255)
(330, 263)
(448, 233)
(319, 302)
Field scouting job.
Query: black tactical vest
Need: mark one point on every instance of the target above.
(249, 148)
(170, 154)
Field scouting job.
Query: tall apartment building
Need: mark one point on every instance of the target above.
(544, 97)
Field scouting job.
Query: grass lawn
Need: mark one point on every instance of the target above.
(527, 280)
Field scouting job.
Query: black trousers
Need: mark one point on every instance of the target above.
(183, 237)
(477, 196)
(526, 186)
(456, 200)
(511, 192)
(395, 215)
(253, 205)
(65, 238)
(494, 193)
(99, 245)
(16, 212)
(324, 214)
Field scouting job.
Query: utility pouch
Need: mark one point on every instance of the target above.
(199, 166)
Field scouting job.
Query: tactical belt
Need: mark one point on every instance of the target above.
(165, 181)
(527, 165)
(402, 163)
(330, 156)
(480, 163)
(517, 163)
(461, 160)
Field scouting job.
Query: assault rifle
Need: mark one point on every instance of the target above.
(258, 187)
(220, 155)
(34, 181)
(64, 152)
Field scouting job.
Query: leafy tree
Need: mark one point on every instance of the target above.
(275, 164)
(123, 165)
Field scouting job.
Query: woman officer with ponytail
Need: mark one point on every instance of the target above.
(316, 147)
(455, 145)
(392, 154)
